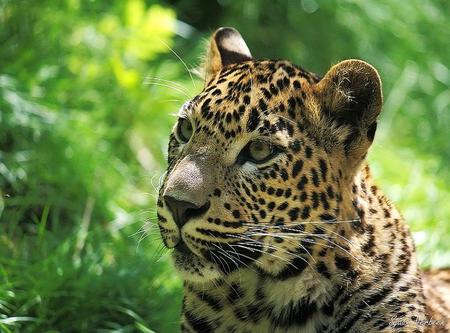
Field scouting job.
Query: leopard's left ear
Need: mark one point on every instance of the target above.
(350, 100)
(226, 47)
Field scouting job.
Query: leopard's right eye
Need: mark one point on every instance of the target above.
(184, 130)
(258, 152)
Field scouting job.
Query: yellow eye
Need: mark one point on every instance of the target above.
(184, 130)
(257, 151)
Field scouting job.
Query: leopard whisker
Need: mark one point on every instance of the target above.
(275, 256)
(321, 227)
(215, 263)
(221, 251)
(269, 246)
(307, 222)
(169, 86)
(157, 79)
(238, 254)
(182, 61)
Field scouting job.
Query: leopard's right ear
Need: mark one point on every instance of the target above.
(226, 47)
(350, 99)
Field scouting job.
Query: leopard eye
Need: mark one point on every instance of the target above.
(257, 152)
(184, 130)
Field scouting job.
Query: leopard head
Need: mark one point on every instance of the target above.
(259, 162)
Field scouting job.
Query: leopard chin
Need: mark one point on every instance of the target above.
(193, 268)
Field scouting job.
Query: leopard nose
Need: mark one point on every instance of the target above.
(182, 211)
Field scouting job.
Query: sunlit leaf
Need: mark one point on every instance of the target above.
(127, 78)
(134, 13)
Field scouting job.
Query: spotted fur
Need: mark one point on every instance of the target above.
(306, 241)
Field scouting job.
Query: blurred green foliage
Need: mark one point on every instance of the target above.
(87, 89)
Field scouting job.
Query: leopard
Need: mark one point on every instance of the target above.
(270, 211)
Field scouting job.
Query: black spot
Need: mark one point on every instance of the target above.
(315, 177)
(342, 263)
(375, 298)
(283, 206)
(262, 105)
(288, 193)
(323, 199)
(368, 246)
(199, 324)
(273, 89)
(323, 169)
(297, 168)
(261, 78)
(266, 93)
(253, 120)
(327, 217)
(284, 175)
(322, 269)
(236, 116)
(308, 151)
(303, 196)
(291, 109)
(280, 84)
(293, 213)
(301, 184)
(279, 192)
(278, 240)
(295, 146)
(235, 293)
(305, 212)
(315, 199)
(330, 192)
(294, 269)
(213, 302)
(294, 314)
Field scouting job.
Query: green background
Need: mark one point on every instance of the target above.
(88, 90)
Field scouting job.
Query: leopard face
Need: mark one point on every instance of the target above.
(259, 162)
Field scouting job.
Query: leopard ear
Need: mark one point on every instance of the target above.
(350, 100)
(226, 47)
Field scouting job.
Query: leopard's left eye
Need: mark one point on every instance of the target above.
(258, 151)
(184, 130)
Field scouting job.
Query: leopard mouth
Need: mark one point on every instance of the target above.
(217, 259)
(193, 267)
(182, 248)
(231, 257)
(183, 255)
